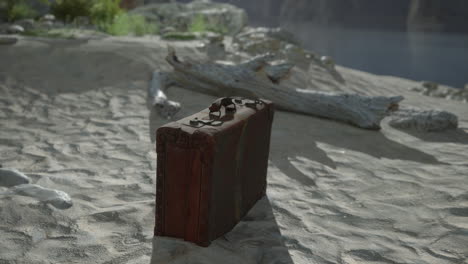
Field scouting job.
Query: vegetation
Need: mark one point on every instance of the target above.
(68, 10)
(54, 33)
(125, 24)
(16, 9)
(176, 35)
(106, 14)
(199, 24)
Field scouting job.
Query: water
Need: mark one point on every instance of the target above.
(438, 57)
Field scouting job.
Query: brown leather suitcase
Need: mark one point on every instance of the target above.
(211, 169)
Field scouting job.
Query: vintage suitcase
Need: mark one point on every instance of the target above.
(211, 169)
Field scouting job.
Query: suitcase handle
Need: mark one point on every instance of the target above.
(224, 102)
(229, 105)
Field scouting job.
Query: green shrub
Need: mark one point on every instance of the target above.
(105, 11)
(180, 35)
(199, 24)
(53, 33)
(68, 10)
(125, 24)
(16, 9)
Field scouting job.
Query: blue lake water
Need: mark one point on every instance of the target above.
(438, 57)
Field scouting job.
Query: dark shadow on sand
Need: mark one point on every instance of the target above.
(459, 136)
(344, 136)
(256, 239)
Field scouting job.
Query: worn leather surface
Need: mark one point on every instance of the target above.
(208, 177)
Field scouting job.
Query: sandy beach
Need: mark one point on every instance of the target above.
(73, 117)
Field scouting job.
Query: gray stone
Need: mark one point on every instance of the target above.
(166, 30)
(261, 40)
(297, 55)
(48, 17)
(27, 24)
(15, 29)
(215, 49)
(430, 85)
(328, 62)
(216, 16)
(46, 24)
(12, 177)
(423, 120)
(434, 90)
(56, 198)
(263, 32)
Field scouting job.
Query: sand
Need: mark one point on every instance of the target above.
(73, 118)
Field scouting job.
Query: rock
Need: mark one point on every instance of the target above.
(48, 17)
(215, 49)
(210, 16)
(297, 55)
(46, 24)
(56, 198)
(423, 120)
(8, 41)
(12, 177)
(27, 24)
(15, 29)
(166, 30)
(261, 40)
(430, 85)
(434, 90)
(328, 62)
(260, 46)
(263, 32)
(278, 70)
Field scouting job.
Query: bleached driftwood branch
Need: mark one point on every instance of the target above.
(258, 79)
(156, 98)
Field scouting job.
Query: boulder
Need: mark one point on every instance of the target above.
(327, 62)
(15, 29)
(279, 34)
(48, 17)
(207, 15)
(433, 89)
(215, 49)
(423, 120)
(27, 24)
(282, 43)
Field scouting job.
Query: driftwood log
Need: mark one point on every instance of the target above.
(258, 79)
